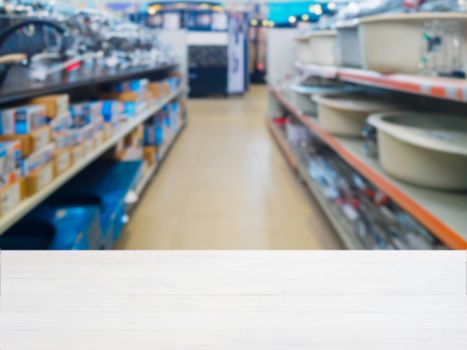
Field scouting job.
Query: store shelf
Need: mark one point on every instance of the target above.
(437, 87)
(290, 156)
(146, 179)
(19, 87)
(294, 160)
(443, 213)
(10, 218)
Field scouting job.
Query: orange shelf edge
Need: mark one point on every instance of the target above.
(444, 88)
(451, 238)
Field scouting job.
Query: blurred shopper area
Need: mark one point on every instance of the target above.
(274, 124)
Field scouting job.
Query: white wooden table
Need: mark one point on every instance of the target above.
(233, 300)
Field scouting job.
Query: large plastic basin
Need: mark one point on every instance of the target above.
(423, 149)
(346, 115)
(392, 43)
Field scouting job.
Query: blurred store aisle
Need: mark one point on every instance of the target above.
(226, 185)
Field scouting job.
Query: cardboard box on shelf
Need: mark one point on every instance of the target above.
(37, 159)
(10, 162)
(135, 138)
(33, 141)
(131, 147)
(84, 133)
(129, 97)
(55, 105)
(61, 122)
(99, 137)
(88, 147)
(63, 160)
(64, 138)
(77, 153)
(159, 89)
(12, 195)
(150, 155)
(39, 179)
(109, 129)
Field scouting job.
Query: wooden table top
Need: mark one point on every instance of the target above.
(233, 300)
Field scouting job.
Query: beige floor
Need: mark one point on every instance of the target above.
(226, 185)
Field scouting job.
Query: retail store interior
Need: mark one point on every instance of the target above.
(236, 125)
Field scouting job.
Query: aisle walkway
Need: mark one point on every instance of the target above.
(226, 185)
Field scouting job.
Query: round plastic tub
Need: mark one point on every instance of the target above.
(423, 149)
(346, 115)
(302, 94)
(303, 47)
(324, 47)
(392, 43)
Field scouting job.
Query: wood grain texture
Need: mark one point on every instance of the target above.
(233, 300)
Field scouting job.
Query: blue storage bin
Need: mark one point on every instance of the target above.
(56, 227)
(77, 228)
(105, 184)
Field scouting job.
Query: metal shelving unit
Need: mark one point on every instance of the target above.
(443, 213)
(10, 218)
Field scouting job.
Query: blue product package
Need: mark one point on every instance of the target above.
(175, 115)
(136, 85)
(148, 136)
(159, 132)
(81, 114)
(29, 118)
(167, 119)
(131, 108)
(108, 110)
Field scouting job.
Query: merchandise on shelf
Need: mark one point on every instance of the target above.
(108, 46)
(424, 149)
(33, 141)
(138, 86)
(154, 131)
(365, 211)
(22, 120)
(305, 88)
(402, 51)
(37, 159)
(39, 178)
(10, 162)
(11, 195)
(55, 105)
(131, 147)
(346, 115)
(61, 135)
(150, 156)
(63, 160)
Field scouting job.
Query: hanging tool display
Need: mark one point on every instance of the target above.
(46, 41)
